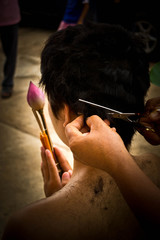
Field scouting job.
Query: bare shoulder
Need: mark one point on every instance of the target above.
(39, 220)
(150, 164)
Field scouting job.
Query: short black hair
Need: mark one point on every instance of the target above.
(98, 62)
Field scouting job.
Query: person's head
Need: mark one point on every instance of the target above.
(101, 63)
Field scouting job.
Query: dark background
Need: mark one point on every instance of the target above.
(140, 16)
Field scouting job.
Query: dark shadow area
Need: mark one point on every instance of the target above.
(141, 17)
(44, 14)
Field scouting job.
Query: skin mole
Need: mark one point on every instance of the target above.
(98, 190)
(99, 187)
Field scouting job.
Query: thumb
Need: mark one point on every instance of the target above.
(73, 129)
(65, 178)
(95, 123)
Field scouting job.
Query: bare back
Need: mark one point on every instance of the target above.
(90, 206)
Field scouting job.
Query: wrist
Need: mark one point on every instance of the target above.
(121, 164)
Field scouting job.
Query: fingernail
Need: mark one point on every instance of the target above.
(70, 172)
(66, 175)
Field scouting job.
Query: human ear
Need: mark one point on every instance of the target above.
(68, 115)
(107, 122)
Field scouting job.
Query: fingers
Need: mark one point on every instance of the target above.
(155, 115)
(62, 160)
(52, 181)
(149, 134)
(70, 172)
(150, 126)
(48, 167)
(66, 177)
(152, 104)
(73, 129)
(95, 122)
(44, 165)
(52, 168)
(151, 137)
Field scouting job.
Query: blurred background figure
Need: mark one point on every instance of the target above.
(75, 13)
(9, 19)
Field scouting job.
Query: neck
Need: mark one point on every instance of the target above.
(84, 172)
(78, 167)
(90, 180)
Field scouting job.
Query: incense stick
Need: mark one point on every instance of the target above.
(45, 125)
(38, 121)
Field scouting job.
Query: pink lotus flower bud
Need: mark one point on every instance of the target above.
(35, 97)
